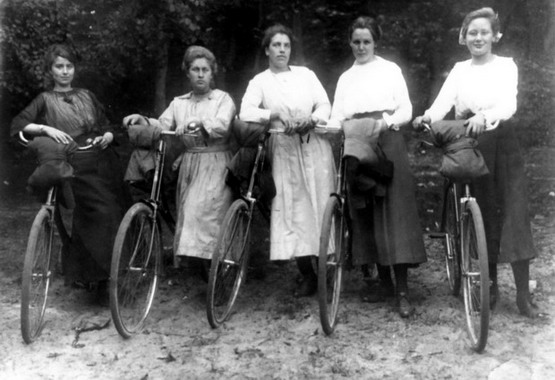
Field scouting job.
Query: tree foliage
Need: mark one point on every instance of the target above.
(131, 50)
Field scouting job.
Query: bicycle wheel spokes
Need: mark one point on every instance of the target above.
(451, 241)
(135, 269)
(475, 276)
(229, 263)
(37, 274)
(333, 247)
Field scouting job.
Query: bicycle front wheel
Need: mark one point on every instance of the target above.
(229, 263)
(135, 269)
(333, 248)
(475, 275)
(449, 226)
(37, 275)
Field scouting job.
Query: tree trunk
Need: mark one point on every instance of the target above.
(298, 33)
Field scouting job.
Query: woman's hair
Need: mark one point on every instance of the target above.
(58, 50)
(487, 13)
(195, 52)
(365, 22)
(271, 31)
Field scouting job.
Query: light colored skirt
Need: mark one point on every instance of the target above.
(202, 199)
(304, 174)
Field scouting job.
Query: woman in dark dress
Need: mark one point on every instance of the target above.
(372, 95)
(483, 91)
(66, 115)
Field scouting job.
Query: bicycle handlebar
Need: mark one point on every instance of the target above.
(23, 141)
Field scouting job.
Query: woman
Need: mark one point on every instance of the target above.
(483, 91)
(67, 115)
(202, 197)
(291, 98)
(386, 229)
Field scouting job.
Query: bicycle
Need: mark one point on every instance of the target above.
(137, 254)
(334, 249)
(231, 256)
(466, 257)
(38, 271)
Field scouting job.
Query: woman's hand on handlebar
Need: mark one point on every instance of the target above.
(476, 125)
(55, 134)
(419, 122)
(102, 142)
(133, 120)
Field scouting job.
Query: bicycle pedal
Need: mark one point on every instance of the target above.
(436, 235)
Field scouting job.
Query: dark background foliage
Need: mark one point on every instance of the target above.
(130, 50)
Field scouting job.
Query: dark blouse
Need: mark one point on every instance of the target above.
(76, 112)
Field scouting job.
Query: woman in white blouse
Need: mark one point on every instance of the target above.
(202, 197)
(291, 98)
(386, 229)
(483, 91)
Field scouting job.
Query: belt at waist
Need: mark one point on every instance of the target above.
(207, 149)
(373, 114)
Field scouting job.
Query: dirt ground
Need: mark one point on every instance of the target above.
(273, 335)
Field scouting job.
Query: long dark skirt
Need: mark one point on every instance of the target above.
(388, 231)
(502, 197)
(101, 200)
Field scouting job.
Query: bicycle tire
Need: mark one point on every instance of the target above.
(333, 247)
(450, 226)
(135, 269)
(475, 273)
(37, 275)
(229, 263)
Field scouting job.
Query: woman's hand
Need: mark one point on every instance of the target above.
(280, 121)
(134, 119)
(476, 125)
(190, 124)
(302, 126)
(102, 142)
(55, 134)
(419, 120)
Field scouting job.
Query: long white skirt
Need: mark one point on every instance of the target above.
(304, 174)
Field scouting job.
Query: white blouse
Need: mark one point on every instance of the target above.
(489, 89)
(377, 85)
(297, 93)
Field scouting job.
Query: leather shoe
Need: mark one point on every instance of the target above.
(307, 287)
(405, 308)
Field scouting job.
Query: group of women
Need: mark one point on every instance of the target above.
(371, 94)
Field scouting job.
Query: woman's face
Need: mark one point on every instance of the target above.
(278, 52)
(479, 37)
(62, 72)
(362, 44)
(200, 75)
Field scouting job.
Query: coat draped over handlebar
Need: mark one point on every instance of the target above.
(461, 160)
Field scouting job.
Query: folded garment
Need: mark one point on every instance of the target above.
(144, 136)
(53, 162)
(462, 161)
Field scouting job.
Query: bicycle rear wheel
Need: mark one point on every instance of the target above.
(475, 274)
(333, 248)
(136, 264)
(449, 226)
(37, 275)
(229, 263)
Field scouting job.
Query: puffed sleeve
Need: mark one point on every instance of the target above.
(251, 102)
(224, 110)
(166, 121)
(33, 113)
(403, 112)
(506, 92)
(446, 98)
(322, 106)
(337, 111)
(100, 115)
